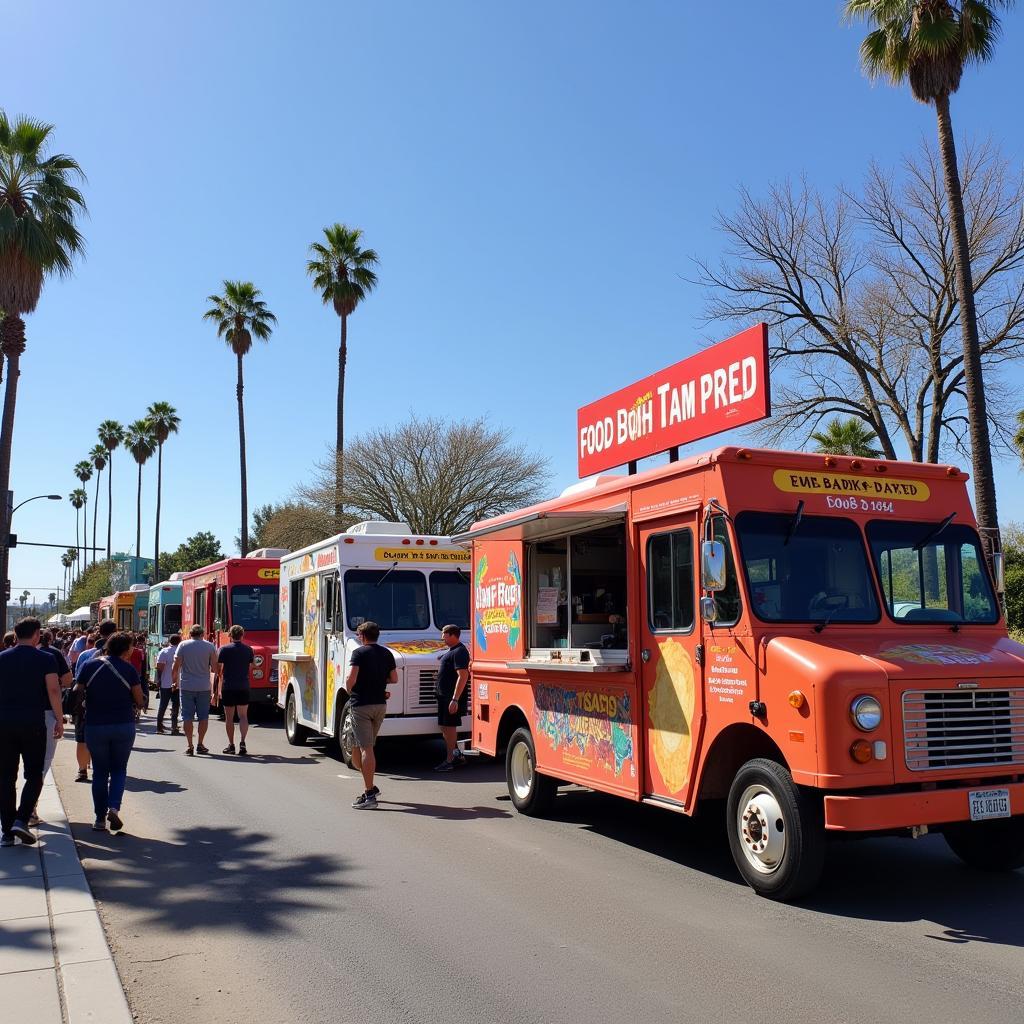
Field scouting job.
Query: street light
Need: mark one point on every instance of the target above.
(49, 497)
(5, 537)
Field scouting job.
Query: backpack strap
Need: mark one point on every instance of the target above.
(106, 661)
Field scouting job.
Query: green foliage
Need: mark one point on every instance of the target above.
(111, 434)
(140, 440)
(164, 420)
(98, 454)
(93, 584)
(240, 314)
(342, 271)
(847, 437)
(198, 550)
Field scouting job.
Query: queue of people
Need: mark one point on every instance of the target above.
(98, 680)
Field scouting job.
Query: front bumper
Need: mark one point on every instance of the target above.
(886, 811)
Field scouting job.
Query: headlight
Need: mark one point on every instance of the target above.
(258, 660)
(866, 712)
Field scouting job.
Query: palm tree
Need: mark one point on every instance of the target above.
(240, 315)
(66, 561)
(77, 498)
(111, 434)
(23, 599)
(927, 44)
(343, 274)
(847, 437)
(83, 470)
(38, 237)
(52, 599)
(141, 442)
(164, 419)
(100, 456)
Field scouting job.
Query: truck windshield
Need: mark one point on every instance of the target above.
(938, 581)
(817, 572)
(254, 607)
(449, 594)
(393, 598)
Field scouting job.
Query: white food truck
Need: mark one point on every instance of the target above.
(410, 585)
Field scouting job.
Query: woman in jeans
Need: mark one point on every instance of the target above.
(112, 694)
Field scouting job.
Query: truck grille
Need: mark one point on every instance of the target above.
(428, 680)
(963, 728)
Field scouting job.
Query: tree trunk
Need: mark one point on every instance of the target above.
(12, 343)
(159, 487)
(974, 384)
(239, 388)
(95, 512)
(78, 549)
(110, 501)
(138, 522)
(339, 444)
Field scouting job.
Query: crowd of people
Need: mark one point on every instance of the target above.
(98, 680)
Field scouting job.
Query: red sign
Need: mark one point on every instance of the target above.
(723, 387)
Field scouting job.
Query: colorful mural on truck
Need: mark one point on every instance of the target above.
(589, 728)
(498, 602)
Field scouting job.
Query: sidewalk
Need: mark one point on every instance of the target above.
(55, 964)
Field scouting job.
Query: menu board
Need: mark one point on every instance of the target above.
(547, 606)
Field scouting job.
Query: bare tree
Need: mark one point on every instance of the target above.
(438, 476)
(861, 291)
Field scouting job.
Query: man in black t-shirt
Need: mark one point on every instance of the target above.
(452, 695)
(372, 669)
(28, 686)
(232, 689)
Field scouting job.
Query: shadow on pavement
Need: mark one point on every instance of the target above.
(445, 813)
(209, 879)
(137, 785)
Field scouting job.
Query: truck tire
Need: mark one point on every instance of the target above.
(295, 733)
(531, 792)
(345, 737)
(988, 845)
(776, 831)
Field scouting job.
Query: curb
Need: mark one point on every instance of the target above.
(90, 989)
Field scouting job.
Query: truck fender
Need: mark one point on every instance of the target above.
(512, 718)
(731, 749)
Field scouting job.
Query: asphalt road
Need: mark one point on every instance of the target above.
(248, 891)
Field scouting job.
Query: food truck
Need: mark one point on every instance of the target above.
(164, 617)
(243, 592)
(106, 608)
(410, 585)
(814, 639)
(140, 606)
(120, 607)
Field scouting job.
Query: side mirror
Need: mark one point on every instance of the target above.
(708, 609)
(712, 565)
(999, 571)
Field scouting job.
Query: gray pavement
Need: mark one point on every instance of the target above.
(55, 964)
(248, 890)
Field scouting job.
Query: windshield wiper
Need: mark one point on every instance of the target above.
(462, 574)
(386, 575)
(795, 523)
(934, 532)
(826, 622)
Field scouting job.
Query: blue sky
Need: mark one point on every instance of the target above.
(536, 178)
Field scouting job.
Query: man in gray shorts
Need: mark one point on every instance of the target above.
(193, 672)
(372, 669)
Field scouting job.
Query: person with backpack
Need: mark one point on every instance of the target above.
(113, 692)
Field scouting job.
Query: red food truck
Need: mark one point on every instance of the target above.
(814, 640)
(244, 592)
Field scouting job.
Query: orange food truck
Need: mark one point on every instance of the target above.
(120, 607)
(239, 591)
(814, 640)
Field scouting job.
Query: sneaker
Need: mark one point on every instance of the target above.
(200, 749)
(458, 758)
(366, 802)
(33, 822)
(189, 752)
(7, 839)
(160, 729)
(444, 766)
(373, 791)
(99, 825)
(175, 731)
(116, 824)
(19, 830)
(229, 749)
(82, 776)
(241, 750)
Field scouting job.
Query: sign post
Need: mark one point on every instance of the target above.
(722, 387)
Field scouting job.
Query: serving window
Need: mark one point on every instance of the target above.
(577, 595)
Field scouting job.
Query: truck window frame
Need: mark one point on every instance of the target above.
(720, 531)
(296, 607)
(671, 535)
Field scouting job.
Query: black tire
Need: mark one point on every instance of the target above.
(295, 733)
(344, 735)
(531, 793)
(988, 845)
(779, 849)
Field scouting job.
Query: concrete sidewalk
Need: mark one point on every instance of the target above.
(55, 964)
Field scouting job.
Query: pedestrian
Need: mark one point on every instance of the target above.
(168, 688)
(79, 644)
(371, 670)
(113, 692)
(452, 695)
(28, 685)
(107, 628)
(97, 640)
(10, 639)
(63, 681)
(195, 665)
(233, 661)
(137, 659)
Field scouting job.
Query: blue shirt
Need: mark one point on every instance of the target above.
(85, 657)
(107, 700)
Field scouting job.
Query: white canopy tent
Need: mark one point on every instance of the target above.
(57, 620)
(82, 614)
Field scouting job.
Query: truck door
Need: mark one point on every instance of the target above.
(672, 683)
(327, 669)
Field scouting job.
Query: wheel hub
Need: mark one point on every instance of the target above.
(762, 829)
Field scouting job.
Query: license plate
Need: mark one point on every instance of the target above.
(989, 803)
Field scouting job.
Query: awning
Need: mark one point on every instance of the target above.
(83, 614)
(537, 526)
(57, 620)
